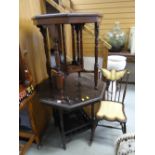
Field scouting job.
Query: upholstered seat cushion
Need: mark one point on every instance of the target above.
(111, 111)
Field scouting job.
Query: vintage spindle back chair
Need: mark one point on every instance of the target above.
(112, 106)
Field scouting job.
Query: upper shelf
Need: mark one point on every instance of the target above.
(66, 18)
(130, 57)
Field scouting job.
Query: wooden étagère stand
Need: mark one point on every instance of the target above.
(77, 22)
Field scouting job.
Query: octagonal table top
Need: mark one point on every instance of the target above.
(66, 18)
(78, 92)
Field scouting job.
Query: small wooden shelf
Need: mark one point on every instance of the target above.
(76, 121)
(74, 68)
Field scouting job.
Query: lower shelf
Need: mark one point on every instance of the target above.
(76, 122)
(73, 68)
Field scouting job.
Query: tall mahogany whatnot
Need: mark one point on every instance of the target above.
(77, 22)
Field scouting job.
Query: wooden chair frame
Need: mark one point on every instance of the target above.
(117, 96)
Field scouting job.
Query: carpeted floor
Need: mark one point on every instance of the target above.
(104, 139)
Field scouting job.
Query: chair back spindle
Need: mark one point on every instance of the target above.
(116, 87)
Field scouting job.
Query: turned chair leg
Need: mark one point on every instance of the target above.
(93, 131)
(123, 125)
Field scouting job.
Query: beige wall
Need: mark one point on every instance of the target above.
(112, 10)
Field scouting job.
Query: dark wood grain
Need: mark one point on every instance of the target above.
(74, 90)
(66, 18)
(78, 92)
(77, 29)
(64, 45)
(73, 43)
(96, 54)
(77, 20)
(81, 45)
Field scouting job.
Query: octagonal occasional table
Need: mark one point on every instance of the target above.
(68, 105)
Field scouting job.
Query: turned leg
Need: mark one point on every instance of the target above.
(61, 128)
(96, 55)
(123, 125)
(93, 124)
